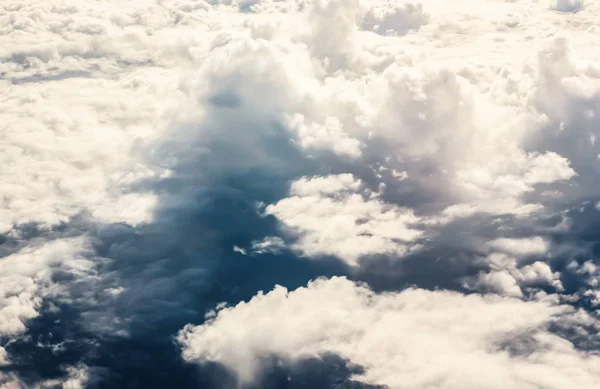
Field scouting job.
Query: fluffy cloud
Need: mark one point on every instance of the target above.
(333, 217)
(65, 153)
(408, 339)
(394, 18)
(508, 279)
(27, 278)
(521, 246)
(367, 131)
(393, 104)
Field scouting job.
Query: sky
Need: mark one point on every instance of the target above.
(290, 194)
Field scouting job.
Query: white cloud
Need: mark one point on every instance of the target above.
(507, 279)
(67, 153)
(75, 105)
(78, 378)
(537, 272)
(408, 339)
(26, 278)
(508, 275)
(332, 216)
(501, 282)
(394, 18)
(336, 47)
(460, 108)
(588, 272)
(126, 72)
(325, 136)
(271, 244)
(326, 186)
(521, 246)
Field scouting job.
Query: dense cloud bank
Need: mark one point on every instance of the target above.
(299, 193)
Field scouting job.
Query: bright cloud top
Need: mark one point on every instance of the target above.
(333, 216)
(410, 339)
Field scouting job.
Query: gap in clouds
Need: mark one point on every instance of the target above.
(169, 279)
(159, 276)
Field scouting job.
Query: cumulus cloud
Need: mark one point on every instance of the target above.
(395, 18)
(189, 152)
(28, 277)
(508, 279)
(66, 153)
(32, 276)
(407, 339)
(335, 47)
(333, 217)
(520, 246)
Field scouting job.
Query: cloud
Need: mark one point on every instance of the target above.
(508, 279)
(335, 47)
(406, 339)
(78, 378)
(332, 217)
(161, 157)
(28, 276)
(66, 154)
(394, 18)
(325, 136)
(569, 5)
(522, 246)
(9, 382)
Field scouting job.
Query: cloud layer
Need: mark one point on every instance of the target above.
(160, 158)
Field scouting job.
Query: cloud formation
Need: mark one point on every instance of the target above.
(410, 339)
(332, 217)
(161, 157)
